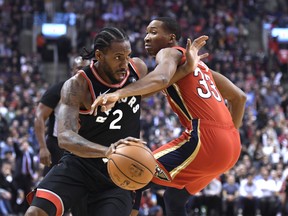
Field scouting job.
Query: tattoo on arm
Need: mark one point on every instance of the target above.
(71, 95)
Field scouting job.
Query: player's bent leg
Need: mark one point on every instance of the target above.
(35, 211)
(175, 201)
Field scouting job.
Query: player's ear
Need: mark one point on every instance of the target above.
(98, 55)
(172, 37)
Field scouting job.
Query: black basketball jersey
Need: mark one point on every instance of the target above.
(121, 121)
(51, 99)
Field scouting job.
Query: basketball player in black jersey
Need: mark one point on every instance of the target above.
(90, 139)
(47, 109)
(82, 172)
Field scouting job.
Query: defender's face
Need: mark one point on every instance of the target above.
(156, 38)
(114, 61)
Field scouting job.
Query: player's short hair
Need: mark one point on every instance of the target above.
(104, 39)
(171, 25)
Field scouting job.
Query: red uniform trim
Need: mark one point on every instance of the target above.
(52, 197)
(93, 96)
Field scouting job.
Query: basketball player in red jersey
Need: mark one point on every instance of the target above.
(210, 145)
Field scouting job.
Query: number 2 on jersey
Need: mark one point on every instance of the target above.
(113, 124)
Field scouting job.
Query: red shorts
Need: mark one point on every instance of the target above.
(195, 158)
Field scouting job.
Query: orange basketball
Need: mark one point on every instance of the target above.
(131, 166)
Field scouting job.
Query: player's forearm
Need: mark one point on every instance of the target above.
(80, 146)
(39, 127)
(154, 82)
(145, 86)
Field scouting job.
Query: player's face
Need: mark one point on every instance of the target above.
(156, 38)
(114, 61)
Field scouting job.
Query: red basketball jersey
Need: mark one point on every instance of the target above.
(196, 97)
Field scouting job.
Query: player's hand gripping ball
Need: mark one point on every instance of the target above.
(131, 166)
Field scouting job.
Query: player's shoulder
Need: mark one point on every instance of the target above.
(77, 81)
(139, 65)
(179, 48)
(172, 50)
(137, 61)
(170, 55)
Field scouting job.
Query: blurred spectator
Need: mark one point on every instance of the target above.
(8, 192)
(230, 193)
(5, 206)
(24, 172)
(248, 196)
(269, 201)
(41, 44)
(212, 198)
(7, 147)
(148, 205)
(3, 128)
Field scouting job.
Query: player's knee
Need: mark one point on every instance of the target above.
(35, 211)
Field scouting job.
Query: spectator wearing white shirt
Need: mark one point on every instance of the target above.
(269, 201)
(248, 196)
(212, 197)
(275, 156)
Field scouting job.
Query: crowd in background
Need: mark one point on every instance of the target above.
(257, 185)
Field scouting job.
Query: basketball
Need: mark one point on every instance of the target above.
(131, 166)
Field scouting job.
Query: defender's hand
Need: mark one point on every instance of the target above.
(105, 101)
(192, 49)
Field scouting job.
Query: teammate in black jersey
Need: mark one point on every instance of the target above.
(47, 109)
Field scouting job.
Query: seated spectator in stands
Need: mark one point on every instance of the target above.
(8, 192)
(230, 193)
(212, 197)
(248, 196)
(269, 201)
(159, 190)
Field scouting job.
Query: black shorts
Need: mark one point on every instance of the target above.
(55, 150)
(83, 186)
